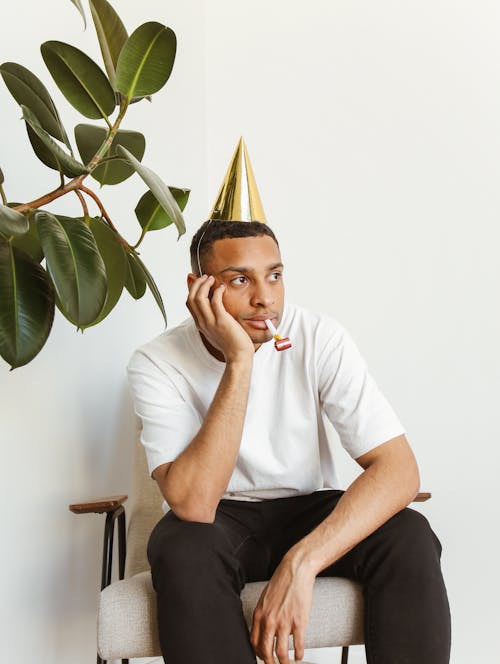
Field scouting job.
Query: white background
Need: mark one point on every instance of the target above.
(374, 132)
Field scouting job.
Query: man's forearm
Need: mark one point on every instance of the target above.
(199, 476)
(384, 488)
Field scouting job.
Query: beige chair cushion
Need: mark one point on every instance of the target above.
(127, 616)
(127, 609)
(143, 512)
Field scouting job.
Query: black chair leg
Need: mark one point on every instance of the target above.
(103, 661)
(345, 655)
(107, 555)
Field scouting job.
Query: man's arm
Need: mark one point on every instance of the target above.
(389, 483)
(194, 483)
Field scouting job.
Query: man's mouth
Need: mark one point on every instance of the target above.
(259, 322)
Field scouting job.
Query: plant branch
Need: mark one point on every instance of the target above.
(104, 214)
(2, 194)
(100, 154)
(76, 183)
(83, 202)
(52, 195)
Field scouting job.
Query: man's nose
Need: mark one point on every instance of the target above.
(262, 295)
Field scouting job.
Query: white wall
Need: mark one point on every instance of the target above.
(373, 130)
(66, 421)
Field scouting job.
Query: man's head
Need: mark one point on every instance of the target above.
(245, 256)
(211, 231)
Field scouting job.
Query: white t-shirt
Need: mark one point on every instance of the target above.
(284, 450)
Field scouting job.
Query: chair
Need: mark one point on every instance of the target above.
(126, 623)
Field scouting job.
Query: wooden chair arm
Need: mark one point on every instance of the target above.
(113, 507)
(110, 503)
(99, 505)
(421, 497)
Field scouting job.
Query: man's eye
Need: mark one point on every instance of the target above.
(278, 275)
(236, 279)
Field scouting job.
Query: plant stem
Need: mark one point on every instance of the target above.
(140, 239)
(76, 184)
(83, 202)
(2, 194)
(51, 196)
(97, 158)
(104, 214)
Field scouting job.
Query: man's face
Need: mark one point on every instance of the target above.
(252, 271)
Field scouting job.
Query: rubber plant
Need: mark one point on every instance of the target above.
(82, 264)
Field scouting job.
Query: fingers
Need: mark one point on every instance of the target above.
(262, 638)
(298, 644)
(255, 632)
(198, 302)
(266, 646)
(282, 646)
(217, 305)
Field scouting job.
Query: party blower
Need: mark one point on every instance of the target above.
(280, 343)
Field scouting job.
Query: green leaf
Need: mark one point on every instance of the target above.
(111, 33)
(29, 91)
(135, 281)
(152, 286)
(29, 242)
(146, 60)
(150, 213)
(43, 153)
(75, 266)
(159, 189)
(69, 164)
(12, 222)
(115, 263)
(80, 79)
(26, 306)
(90, 138)
(79, 6)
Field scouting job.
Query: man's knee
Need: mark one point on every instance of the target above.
(411, 542)
(178, 547)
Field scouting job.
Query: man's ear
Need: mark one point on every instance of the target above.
(190, 279)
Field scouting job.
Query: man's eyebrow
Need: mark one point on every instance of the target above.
(243, 269)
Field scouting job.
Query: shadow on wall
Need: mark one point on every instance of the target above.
(102, 466)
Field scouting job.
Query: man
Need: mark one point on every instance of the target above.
(234, 437)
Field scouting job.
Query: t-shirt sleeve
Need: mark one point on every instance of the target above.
(169, 423)
(350, 397)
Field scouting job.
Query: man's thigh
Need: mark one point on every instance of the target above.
(406, 535)
(233, 534)
(405, 542)
(288, 520)
(257, 534)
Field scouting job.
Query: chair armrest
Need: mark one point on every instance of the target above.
(99, 505)
(422, 497)
(113, 507)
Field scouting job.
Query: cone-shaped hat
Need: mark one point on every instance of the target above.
(238, 198)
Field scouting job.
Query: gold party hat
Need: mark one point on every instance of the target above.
(238, 198)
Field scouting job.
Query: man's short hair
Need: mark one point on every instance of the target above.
(211, 231)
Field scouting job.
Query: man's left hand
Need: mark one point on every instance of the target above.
(283, 609)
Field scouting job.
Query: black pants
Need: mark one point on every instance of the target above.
(199, 570)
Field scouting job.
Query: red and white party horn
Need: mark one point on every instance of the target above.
(280, 343)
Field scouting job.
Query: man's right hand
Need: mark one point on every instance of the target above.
(215, 323)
